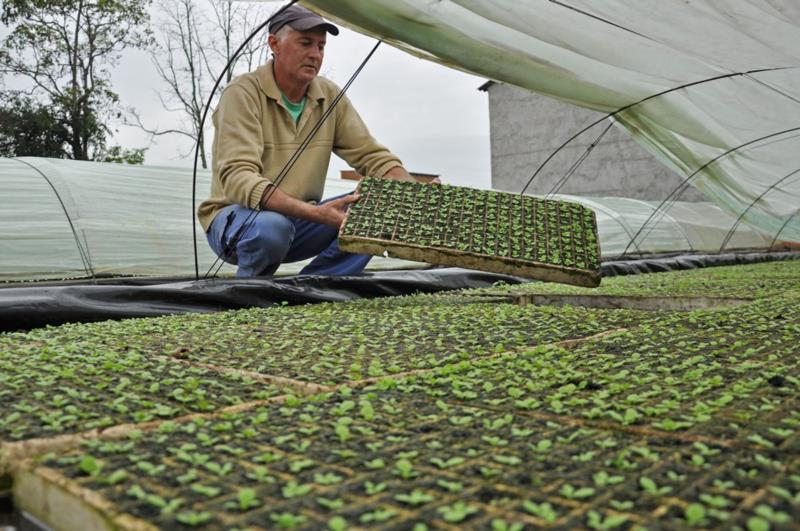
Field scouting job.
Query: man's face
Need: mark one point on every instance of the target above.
(298, 54)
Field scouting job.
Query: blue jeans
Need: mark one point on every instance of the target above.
(270, 238)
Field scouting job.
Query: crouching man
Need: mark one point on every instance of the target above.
(261, 120)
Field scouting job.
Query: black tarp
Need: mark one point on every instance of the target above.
(40, 304)
(677, 262)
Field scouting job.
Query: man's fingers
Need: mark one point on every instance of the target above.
(342, 202)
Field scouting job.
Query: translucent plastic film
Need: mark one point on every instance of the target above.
(729, 71)
(73, 219)
(70, 219)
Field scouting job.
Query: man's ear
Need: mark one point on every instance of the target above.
(274, 43)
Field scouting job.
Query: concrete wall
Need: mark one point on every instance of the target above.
(526, 128)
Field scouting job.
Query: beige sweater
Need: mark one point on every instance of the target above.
(255, 135)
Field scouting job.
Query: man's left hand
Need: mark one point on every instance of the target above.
(399, 173)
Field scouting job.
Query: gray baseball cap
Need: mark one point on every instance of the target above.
(301, 19)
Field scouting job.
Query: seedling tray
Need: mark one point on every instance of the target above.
(554, 241)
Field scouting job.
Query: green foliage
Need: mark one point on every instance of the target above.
(695, 514)
(543, 510)
(67, 49)
(29, 128)
(415, 497)
(194, 518)
(287, 520)
(121, 155)
(457, 512)
(337, 523)
(247, 499)
(90, 466)
(595, 520)
(402, 458)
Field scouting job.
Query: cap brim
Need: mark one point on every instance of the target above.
(307, 24)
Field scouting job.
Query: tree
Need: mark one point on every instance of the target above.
(66, 49)
(194, 45)
(30, 129)
(121, 155)
(235, 23)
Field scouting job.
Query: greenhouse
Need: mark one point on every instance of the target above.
(70, 219)
(651, 381)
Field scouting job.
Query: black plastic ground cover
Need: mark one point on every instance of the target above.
(663, 263)
(33, 306)
(36, 305)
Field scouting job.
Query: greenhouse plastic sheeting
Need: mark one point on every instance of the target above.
(71, 219)
(694, 227)
(737, 126)
(68, 219)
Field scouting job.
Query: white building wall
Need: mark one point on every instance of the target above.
(526, 128)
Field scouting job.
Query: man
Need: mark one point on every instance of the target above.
(261, 119)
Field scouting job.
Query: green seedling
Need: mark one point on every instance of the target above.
(246, 499)
(331, 505)
(205, 490)
(457, 512)
(650, 487)
(451, 462)
(90, 466)
(595, 520)
(374, 488)
(695, 514)
(337, 523)
(604, 479)
(194, 518)
(292, 489)
(415, 497)
(405, 469)
(498, 524)
(287, 520)
(328, 478)
(377, 516)
(543, 510)
(576, 493)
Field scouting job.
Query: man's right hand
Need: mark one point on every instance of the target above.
(333, 212)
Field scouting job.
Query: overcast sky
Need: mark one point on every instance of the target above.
(433, 117)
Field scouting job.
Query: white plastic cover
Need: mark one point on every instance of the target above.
(737, 127)
(72, 219)
(700, 227)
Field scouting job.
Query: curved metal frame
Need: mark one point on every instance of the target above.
(84, 253)
(685, 183)
(738, 221)
(675, 222)
(561, 182)
(626, 107)
(609, 212)
(785, 224)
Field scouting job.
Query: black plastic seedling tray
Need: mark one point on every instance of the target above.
(525, 236)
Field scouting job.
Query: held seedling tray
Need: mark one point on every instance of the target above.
(554, 241)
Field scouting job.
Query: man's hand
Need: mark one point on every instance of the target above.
(332, 212)
(399, 173)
